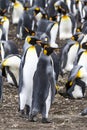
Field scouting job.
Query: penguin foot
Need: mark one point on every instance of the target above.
(22, 114)
(32, 118)
(45, 120)
(84, 112)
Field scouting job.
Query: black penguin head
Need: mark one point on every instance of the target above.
(38, 10)
(33, 40)
(13, 1)
(76, 36)
(47, 50)
(61, 7)
(68, 85)
(84, 45)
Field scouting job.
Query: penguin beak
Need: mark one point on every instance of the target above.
(4, 63)
(39, 42)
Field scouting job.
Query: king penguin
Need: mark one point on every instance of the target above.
(11, 65)
(17, 11)
(27, 69)
(2, 30)
(77, 81)
(43, 86)
(68, 55)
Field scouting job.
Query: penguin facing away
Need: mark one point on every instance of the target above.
(43, 86)
(27, 69)
(11, 65)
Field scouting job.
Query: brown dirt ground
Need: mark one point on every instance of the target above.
(64, 112)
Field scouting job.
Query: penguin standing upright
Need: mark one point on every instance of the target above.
(43, 86)
(68, 55)
(50, 28)
(66, 21)
(17, 11)
(2, 30)
(27, 69)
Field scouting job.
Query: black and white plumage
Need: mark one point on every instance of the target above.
(11, 65)
(43, 87)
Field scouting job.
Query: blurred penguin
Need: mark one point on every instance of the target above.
(43, 86)
(1, 86)
(17, 11)
(2, 30)
(7, 48)
(50, 28)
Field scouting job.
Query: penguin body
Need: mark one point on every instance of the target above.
(68, 55)
(66, 27)
(26, 24)
(50, 28)
(5, 21)
(17, 12)
(27, 69)
(43, 87)
(39, 3)
(2, 33)
(76, 85)
(11, 65)
(7, 48)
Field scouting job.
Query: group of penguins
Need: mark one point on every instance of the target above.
(35, 72)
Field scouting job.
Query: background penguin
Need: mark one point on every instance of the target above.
(25, 25)
(43, 86)
(7, 48)
(5, 21)
(17, 11)
(67, 23)
(50, 28)
(27, 69)
(77, 81)
(11, 65)
(2, 30)
(4, 4)
(68, 55)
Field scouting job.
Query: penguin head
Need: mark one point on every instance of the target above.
(84, 45)
(61, 7)
(33, 40)
(39, 13)
(76, 36)
(47, 50)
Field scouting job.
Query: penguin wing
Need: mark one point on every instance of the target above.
(64, 54)
(74, 72)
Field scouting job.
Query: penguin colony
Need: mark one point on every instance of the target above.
(35, 71)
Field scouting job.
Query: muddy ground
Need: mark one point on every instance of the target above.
(64, 112)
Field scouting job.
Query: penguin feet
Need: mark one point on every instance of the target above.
(45, 120)
(84, 112)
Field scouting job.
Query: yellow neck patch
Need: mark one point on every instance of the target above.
(85, 52)
(32, 48)
(65, 17)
